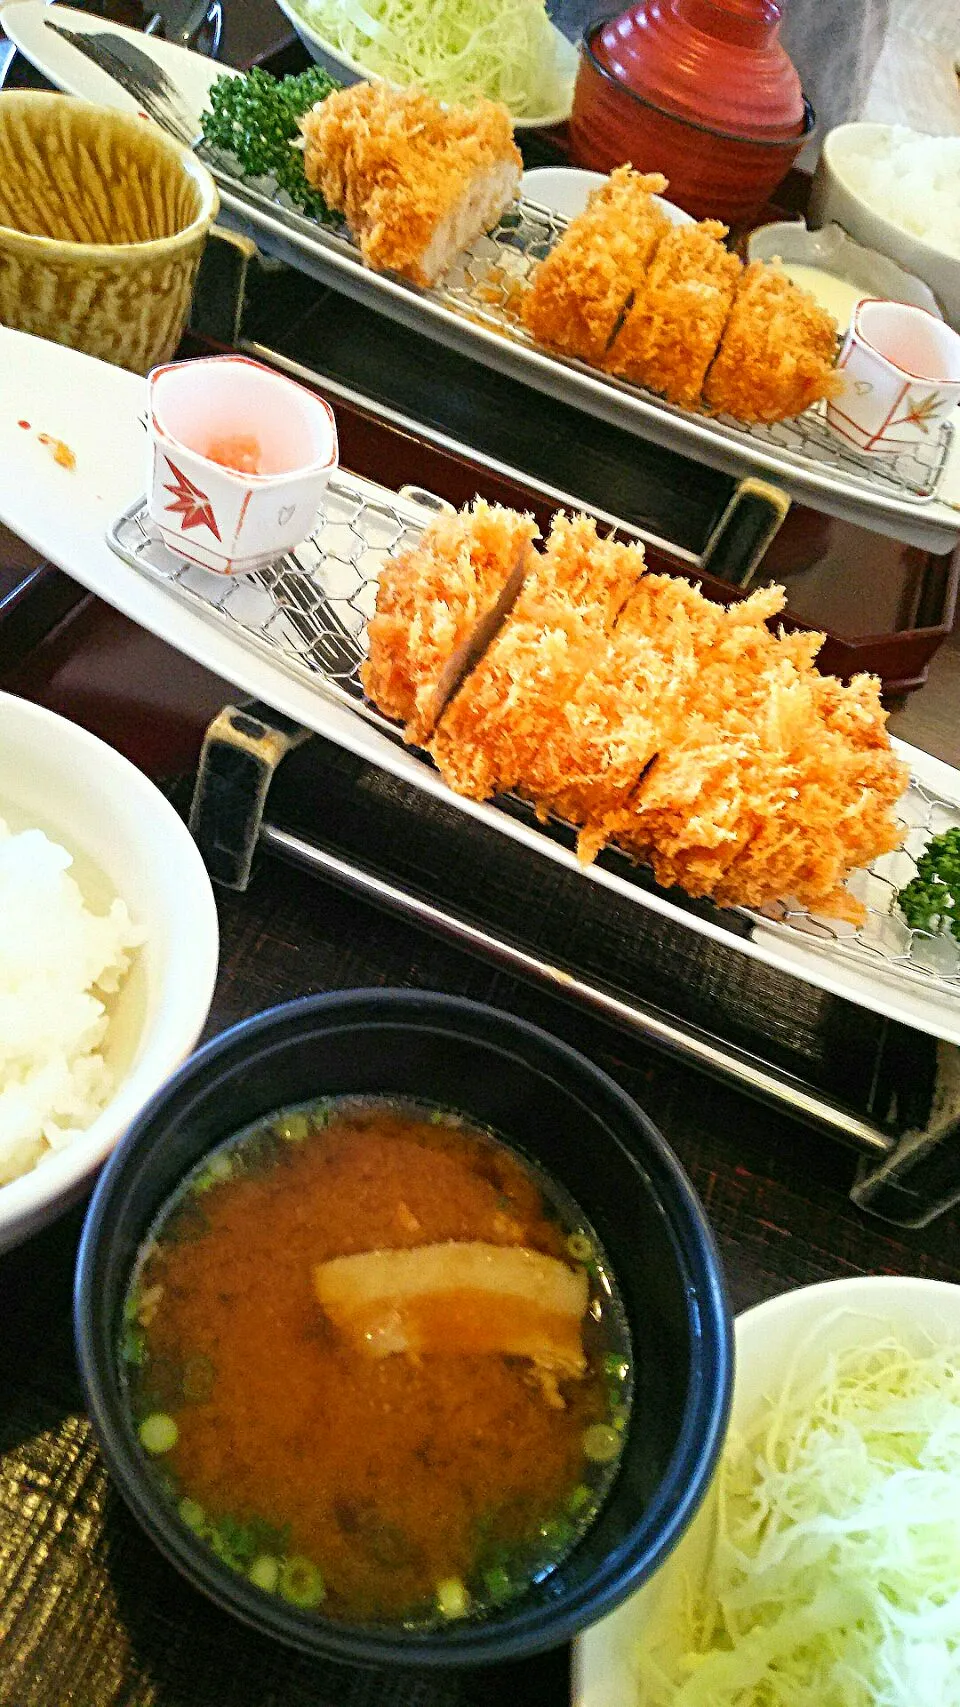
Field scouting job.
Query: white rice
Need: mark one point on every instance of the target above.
(58, 959)
(912, 180)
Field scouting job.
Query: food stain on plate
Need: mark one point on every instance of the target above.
(60, 451)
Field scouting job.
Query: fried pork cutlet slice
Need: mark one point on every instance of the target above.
(432, 601)
(779, 782)
(778, 352)
(546, 705)
(416, 181)
(670, 335)
(579, 291)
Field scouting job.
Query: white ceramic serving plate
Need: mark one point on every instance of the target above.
(46, 35)
(347, 70)
(565, 189)
(837, 1314)
(803, 456)
(127, 840)
(833, 198)
(66, 514)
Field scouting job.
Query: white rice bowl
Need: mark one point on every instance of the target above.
(60, 962)
(129, 958)
(912, 180)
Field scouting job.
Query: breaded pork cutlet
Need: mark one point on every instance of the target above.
(550, 709)
(687, 732)
(582, 687)
(579, 291)
(779, 781)
(670, 335)
(431, 602)
(778, 351)
(416, 181)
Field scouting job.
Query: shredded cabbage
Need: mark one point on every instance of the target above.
(835, 1581)
(455, 49)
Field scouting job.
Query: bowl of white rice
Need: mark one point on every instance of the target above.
(108, 957)
(897, 191)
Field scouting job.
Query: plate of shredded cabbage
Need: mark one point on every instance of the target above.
(824, 1568)
(457, 50)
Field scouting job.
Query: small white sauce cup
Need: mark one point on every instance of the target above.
(222, 518)
(901, 369)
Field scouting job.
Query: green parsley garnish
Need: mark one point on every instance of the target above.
(254, 119)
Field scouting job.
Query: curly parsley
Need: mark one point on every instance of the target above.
(254, 119)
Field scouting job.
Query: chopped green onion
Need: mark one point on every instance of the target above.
(580, 1247)
(497, 1582)
(293, 1129)
(264, 1573)
(452, 1598)
(192, 1514)
(581, 1497)
(134, 1347)
(300, 1582)
(616, 1366)
(601, 1443)
(158, 1433)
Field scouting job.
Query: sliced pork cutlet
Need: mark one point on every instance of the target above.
(651, 663)
(670, 335)
(436, 604)
(547, 711)
(839, 812)
(778, 352)
(779, 782)
(416, 181)
(578, 293)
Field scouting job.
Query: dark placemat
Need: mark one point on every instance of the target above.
(436, 850)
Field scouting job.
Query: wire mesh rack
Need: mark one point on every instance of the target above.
(485, 285)
(308, 612)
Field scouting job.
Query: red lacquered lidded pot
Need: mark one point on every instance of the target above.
(701, 90)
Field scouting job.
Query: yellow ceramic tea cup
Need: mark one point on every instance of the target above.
(103, 220)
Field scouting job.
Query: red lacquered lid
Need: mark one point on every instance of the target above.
(718, 62)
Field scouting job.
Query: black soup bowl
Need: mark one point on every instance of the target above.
(566, 1115)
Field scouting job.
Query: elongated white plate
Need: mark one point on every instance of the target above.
(44, 35)
(919, 504)
(66, 514)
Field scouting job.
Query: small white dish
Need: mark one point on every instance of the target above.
(565, 190)
(831, 251)
(347, 70)
(240, 458)
(901, 372)
(126, 839)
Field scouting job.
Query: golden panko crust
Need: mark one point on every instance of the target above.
(397, 165)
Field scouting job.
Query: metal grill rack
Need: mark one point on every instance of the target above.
(485, 284)
(309, 611)
(483, 288)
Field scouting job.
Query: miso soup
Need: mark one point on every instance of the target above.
(378, 1362)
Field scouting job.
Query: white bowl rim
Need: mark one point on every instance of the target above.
(835, 168)
(147, 248)
(364, 73)
(844, 1289)
(62, 1173)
